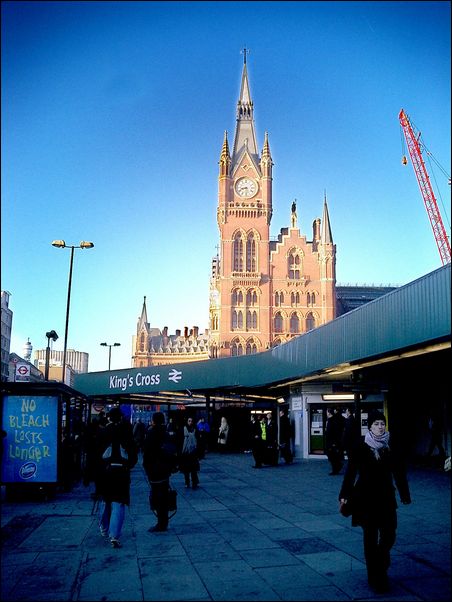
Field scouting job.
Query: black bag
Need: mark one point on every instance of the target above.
(172, 502)
(347, 508)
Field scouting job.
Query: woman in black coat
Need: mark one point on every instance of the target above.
(373, 497)
(118, 456)
(159, 463)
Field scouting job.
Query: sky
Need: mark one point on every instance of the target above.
(113, 117)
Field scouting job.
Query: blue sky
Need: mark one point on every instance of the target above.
(113, 116)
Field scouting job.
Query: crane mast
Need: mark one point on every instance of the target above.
(425, 187)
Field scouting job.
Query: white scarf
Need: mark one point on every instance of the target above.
(190, 442)
(377, 442)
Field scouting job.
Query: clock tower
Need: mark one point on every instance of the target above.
(240, 286)
(262, 292)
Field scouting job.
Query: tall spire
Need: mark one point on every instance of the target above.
(326, 235)
(245, 136)
(266, 158)
(225, 157)
(143, 319)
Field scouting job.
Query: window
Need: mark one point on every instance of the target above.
(278, 322)
(236, 348)
(295, 299)
(237, 253)
(279, 299)
(251, 298)
(251, 320)
(294, 324)
(251, 348)
(251, 253)
(294, 265)
(310, 321)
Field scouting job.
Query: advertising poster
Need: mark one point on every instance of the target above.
(30, 446)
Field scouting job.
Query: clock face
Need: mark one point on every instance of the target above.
(246, 187)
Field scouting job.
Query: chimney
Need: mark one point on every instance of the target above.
(316, 229)
(178, 333)
(186, 332)
(165, 331)
(195, 331)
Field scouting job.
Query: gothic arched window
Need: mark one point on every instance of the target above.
(294, 265)
(237, 253)
(279, 299)
(278, 322)
(251, 253)
(251, 298)
(310, 322)
(294, 324)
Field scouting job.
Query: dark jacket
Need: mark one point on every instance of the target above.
(373, 494)
(333, 431)
(157, 463)
(114, 481)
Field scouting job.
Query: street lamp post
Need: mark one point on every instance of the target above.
(109, 351)
(62, 245)
(50, 335)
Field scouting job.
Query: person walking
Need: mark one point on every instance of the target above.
(271, 440)
(256, 440)
(159, 459)
(188, 458)
(351, 435)
(333, 440)
(368, 485)
(139, 433)
(203, 431)
(119, 455)
(223, 434)
(285, 437)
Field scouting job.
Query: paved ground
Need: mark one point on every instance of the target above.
(245, 534)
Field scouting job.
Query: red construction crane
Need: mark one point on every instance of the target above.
(431, 205)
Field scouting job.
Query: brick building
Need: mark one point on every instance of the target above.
(263, 292)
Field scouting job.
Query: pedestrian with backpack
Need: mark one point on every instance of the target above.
(159, 461)
(118, 457)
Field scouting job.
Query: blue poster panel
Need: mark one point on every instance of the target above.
(30, 446)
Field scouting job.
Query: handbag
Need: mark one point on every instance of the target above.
(346, 509)
(172, 502)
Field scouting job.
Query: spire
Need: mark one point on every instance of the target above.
(225, 157)
(244, 131)
(143, 319)
(327, 237)
(266, 160)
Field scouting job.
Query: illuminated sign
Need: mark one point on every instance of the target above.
(30, 446)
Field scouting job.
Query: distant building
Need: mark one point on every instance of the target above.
(153, 347)
(7, 322)
(351, 297)
(77, 360)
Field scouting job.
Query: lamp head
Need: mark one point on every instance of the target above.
(59, 243)
(52, 335)
(104, 344)
(86, 245)
(116, 344)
